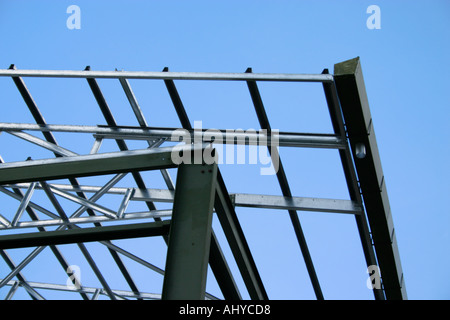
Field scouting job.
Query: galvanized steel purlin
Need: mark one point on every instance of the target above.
(95, 292)
(77, 235)
(261, 138)
(168, 75)
(239, 200)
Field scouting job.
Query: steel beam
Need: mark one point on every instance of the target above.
(89, 165)
(85, 290)
(237, 242)
(31, 204)
(44, 144)
(296, 203)
(262, 201)
(348, 167)
(17, 269)
(355, 107)
(133, 102)
(85, 203)
(143, 123)
(89, 219)
(167, 75)
(190, 233)
(12, 266)
(239, 200)
(177, 103)
(222, 272)
(23, 204)
(227, 217)
(284, 185)
(283, 139)
(79, 235)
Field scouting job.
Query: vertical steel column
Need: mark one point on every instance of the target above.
(190, 233)
(355, 108)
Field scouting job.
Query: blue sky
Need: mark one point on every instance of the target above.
(405, 66)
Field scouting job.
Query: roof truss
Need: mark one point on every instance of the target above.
(353, 138)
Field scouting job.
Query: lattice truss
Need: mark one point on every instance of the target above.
(88, 209)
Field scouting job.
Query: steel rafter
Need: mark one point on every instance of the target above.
(339, 128)
(285, 189)
(78, 235)
(361, 133)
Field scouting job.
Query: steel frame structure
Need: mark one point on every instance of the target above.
(198, 193)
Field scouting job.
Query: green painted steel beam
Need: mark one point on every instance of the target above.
(222, 272)
(361, 134)
(237, 242)
(80, 235)
(190, 233)
(89, 165)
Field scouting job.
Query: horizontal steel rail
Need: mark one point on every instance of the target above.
(167, 75)
(95, 292)
(239, 199)
(217, 136)
(83, 220)
(81, 235)
(88, 165)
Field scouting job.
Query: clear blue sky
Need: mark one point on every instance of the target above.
(405, 66)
